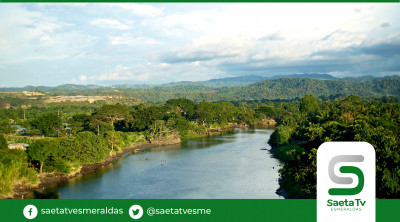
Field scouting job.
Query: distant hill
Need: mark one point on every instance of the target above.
(228, 82)
(306, 75)
(238, 88)
(49, 88)
(74, 86)
(215, 83)
(26, 88)
(290, 88)
(367, 78)
(127, 86)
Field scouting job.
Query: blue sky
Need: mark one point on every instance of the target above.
(129, 43)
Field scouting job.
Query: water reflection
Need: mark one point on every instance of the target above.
(226, 166)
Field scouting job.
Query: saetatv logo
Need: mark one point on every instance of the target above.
(346, 182)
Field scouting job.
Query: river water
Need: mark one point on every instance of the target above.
(228, 166)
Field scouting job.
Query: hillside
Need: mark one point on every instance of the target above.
(267, 89)
(184, 86)
(228, 82)
(367, 78)
(306, 75)
(289, 88)
(48, 88)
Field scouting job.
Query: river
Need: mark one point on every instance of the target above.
(228, 166)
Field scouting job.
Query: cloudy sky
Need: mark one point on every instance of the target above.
(119, 43)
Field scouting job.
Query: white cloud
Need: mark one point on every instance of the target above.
(339, 40)
(132, 40)
(197, 41)
(121, 73)
(34, 35)
(158, 72)
(109, 23)
(208, 48)
(178, 24)
(82, 78)
(138, 9)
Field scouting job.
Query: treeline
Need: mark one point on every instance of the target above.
(268, 89)
(289, 88)
(299, 135)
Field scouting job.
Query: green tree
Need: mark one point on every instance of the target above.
(40, 150)
(144, 118)
(111, 113)
(79, 122)
(3, 143)
(96, 122)
(84, 147)
(34, 132)
(181, 124)
(246, 115)
(269, 111)
(309, 104)
(113, 139)
(47, 123)
(226, 113)
(186, 106)
(5, 126)
(159, 129)
(204, 113)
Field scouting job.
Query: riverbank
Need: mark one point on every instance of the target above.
(265, 122)
(48, 180)
(51, 179)
(277, 153)
(280, 154)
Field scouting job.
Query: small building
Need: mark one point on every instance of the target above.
(15, 126)
(21, 146)
(11, 121)
(21, 130)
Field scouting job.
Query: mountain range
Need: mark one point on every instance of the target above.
(213, 83)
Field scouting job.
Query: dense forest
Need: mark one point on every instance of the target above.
(299, 135)
(289, 88)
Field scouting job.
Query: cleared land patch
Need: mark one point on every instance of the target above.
(58, 99)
